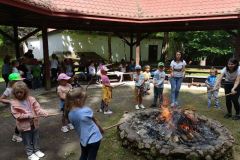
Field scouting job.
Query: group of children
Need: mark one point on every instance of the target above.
(76, 115)
(142, 84)
(26, 111)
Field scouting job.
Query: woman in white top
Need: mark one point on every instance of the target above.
(176, 77)
(231, 86)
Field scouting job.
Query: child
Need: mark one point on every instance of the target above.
(13, 78)
(158, 82)
(36, 73)
(62, 90)
(27, 110)
(15, 65)
(210, 82)
(91, 70)
(106, 91)
(138, 77)
(87, 128)
(147, 76)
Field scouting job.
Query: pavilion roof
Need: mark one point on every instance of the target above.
(137, 11)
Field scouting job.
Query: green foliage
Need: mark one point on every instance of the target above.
(204, 43)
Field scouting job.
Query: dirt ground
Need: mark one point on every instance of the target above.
(65, 146)
(54, 143)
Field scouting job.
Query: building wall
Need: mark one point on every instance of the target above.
(82, 42)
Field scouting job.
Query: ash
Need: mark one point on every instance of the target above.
(180, 129)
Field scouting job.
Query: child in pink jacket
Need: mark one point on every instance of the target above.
(27, 111)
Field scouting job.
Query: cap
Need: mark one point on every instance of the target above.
(138, 67)
(160, 64)
(63, 76)
(104, 68)
(15, 77)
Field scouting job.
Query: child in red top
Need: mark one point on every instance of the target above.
(27, 110)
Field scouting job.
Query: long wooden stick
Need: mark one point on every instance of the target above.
(225, 95)
(112, 126)
(49, 115)
(118, 85)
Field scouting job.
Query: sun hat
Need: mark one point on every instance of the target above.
(104, 68)
(138, 67)
(15, 77)
(63, 76)
(160, 64)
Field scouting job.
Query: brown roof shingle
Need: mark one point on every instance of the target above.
(138, 10)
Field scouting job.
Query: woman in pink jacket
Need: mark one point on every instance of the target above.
(27, 111)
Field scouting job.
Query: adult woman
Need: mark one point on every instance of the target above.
(6, 68)
(176, 77)
(231, 86)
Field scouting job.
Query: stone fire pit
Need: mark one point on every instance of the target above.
(157, 139)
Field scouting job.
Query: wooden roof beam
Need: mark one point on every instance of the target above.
(29, 35)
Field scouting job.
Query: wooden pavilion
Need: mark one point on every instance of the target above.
(134, 17)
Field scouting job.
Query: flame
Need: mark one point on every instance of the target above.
(166, 114)
(185, 127)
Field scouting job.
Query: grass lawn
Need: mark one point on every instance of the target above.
(111, 148)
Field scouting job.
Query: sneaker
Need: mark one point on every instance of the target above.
(16, 138)
(64, 129)
(70, 126)
(172, 105)
(107, 112)
(39, 154)
(227, 115)
(33, 157)
(137, 107)
(142, 106)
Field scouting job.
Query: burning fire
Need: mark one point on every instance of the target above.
(184, 124)
(185, 127)
(166, 115)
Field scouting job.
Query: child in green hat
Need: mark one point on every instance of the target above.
(158, 82)
(13, 78)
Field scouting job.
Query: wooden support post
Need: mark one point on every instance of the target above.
(138, 49)
(109, 48)
(47, 77)
(16, 42)
(131, 47)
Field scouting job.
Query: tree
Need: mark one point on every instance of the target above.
(211, 44)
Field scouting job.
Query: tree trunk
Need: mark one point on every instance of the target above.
(165, 45)
(109, 48)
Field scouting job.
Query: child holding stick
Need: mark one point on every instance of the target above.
(139, 79)
(13, 78)
(210, 82)
(86, 126)
(158, 82)
(27, 110)
(106, 91)
(62, 90)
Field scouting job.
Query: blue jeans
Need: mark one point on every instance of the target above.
(31, 141)
(215, 96)
(175, 87)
